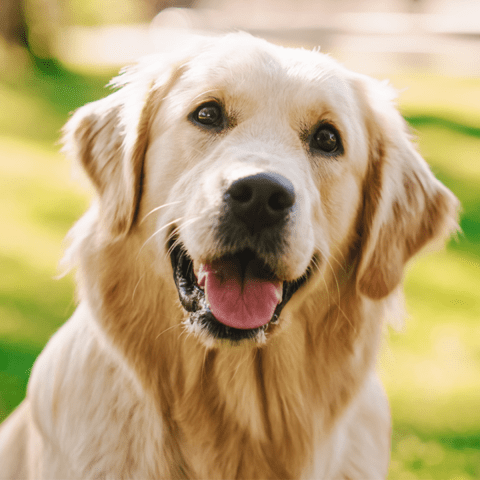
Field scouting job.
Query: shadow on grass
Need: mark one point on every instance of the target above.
(441, 456)
(16, 361)
(461, 442)
(465, 190)
(430, 120)
(468, 240)
(61, 91)
(32, 309)
(65, 89)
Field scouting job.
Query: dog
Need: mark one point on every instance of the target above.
(255, 208)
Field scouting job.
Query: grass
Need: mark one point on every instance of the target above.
(38, 203)
(431, 369)
(432, 372)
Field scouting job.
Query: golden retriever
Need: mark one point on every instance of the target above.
(256, 207)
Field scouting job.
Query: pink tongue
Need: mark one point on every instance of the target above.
(237, 304)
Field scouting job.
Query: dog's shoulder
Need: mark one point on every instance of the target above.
(359, 444)
(65, 366)
(369, 432)
(85, 403)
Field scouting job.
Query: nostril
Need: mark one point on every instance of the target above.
(280, 201)
(241, 192)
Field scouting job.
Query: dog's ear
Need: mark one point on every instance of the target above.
(405, 206)
(109, 138)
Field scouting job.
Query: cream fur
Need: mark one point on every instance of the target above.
(128, 388)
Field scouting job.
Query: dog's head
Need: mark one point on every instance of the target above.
(253, 172)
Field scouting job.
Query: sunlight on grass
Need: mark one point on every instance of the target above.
(38, 204)
(432, 368)
(27, 116)
(457, 154)
(37, 196)
(448, 280)
(453, 98)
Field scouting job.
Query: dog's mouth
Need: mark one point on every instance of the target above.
(233, 297)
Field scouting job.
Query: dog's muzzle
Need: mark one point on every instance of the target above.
(236, 295)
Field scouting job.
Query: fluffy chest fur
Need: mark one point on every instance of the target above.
(240, 412)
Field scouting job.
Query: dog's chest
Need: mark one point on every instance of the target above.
(237, 424)
(228, 450)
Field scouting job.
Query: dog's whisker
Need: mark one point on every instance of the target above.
(136, 286)
(176, 230)
(188, 222)
(173, 246)
(185, 330)
(168, 329)
(184, 334)
(177, 241)
(334, 274)
(156, 209)
(327, 291)
(340, 263)
(157, 232)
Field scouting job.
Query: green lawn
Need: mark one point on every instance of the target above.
(431, 368)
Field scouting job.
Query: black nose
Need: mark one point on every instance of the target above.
(261, 200)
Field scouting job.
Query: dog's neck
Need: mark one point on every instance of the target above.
(245, 411)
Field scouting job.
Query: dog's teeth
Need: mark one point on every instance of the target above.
(201, 275)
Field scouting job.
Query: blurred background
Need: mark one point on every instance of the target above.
(56, 55)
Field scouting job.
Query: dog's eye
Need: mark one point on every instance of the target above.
(209, 115)
(326, 139)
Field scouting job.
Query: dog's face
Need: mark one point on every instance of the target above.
(255, 172)
(267, 170)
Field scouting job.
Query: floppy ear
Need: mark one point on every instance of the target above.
(110, 136)
(405, 206)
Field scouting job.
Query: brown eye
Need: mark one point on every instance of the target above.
(326, 140)
(209, 115)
